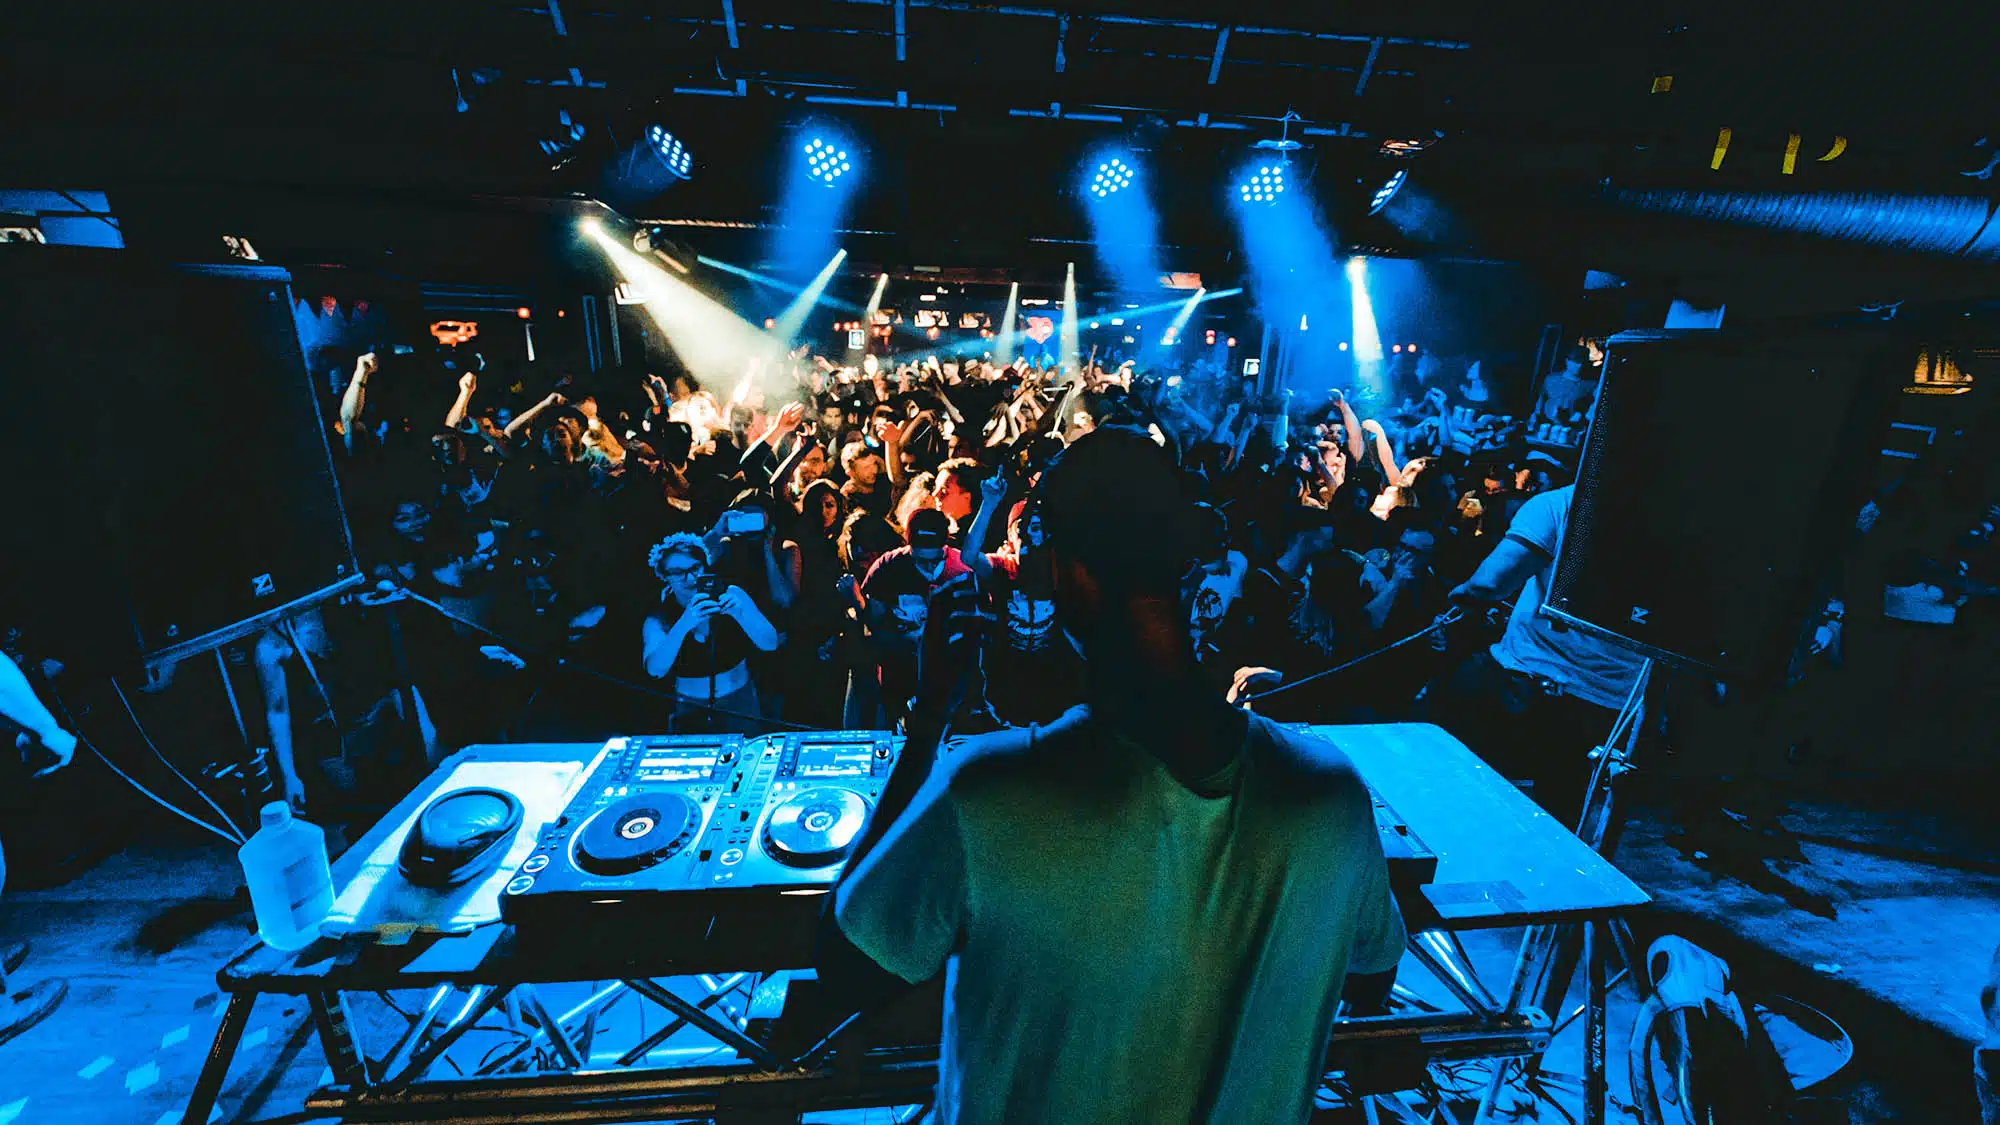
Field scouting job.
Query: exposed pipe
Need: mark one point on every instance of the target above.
(1954, 226)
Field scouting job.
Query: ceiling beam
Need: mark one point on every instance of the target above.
(1367, 68)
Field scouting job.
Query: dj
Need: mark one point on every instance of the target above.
(1151, 909)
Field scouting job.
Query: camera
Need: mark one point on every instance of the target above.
(710, 585)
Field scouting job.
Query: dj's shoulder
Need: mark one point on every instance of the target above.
(1305, 751)
(1012, 751)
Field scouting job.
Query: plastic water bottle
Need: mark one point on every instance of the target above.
(291, 886)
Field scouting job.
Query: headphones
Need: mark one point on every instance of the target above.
(458, 836)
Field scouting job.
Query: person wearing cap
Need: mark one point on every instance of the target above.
(893, 599)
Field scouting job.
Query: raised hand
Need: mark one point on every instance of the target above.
(468, 382)
(993, 489)
(849, 587)
(789, 418)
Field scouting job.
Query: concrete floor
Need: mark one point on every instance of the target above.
(1902, 943)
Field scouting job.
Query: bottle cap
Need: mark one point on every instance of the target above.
(276, 814)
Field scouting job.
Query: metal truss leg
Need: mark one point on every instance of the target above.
(418, 1026)
(221, 1052)
(481, 1000)
(725, 1033)
(336, 1037)
(1445, 959)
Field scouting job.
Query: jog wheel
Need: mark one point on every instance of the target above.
(815, 828)
(636, 833)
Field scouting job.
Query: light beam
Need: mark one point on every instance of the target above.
(1004, 349)
(793, 319)
(1070, 358)
(712, 342)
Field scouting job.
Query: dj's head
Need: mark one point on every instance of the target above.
(1122, 530)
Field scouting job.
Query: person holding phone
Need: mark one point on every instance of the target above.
(700, 639)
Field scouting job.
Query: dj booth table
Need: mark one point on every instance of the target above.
(1502, 862)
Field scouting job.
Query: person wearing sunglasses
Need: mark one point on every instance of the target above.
(700, 639)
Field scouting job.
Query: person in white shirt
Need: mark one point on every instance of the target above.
(1536, 702)
(1150, 910)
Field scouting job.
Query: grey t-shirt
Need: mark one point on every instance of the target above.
(1119, 946)
(1589, 669)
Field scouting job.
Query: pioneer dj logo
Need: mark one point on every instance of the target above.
(1639, 614)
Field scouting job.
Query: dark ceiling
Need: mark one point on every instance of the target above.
(974, 115)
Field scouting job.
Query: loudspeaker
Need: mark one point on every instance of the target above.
(168, 482)
(1721, 476)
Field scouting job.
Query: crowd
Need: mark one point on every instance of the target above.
(642, 552)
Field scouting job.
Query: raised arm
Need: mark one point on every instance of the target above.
(1352, 425)
(521, 422)
(467, 383)
(992, 491)
(1383, 451)
(1436, 398)
(891, 436)
(782, 424)
(355, 399)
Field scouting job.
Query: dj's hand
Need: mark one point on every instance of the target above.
(1250, 681)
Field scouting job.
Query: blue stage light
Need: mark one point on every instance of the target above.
(1388, 190)
(1264, 184)
(671, 151)
(825, 161)
(1112, 176)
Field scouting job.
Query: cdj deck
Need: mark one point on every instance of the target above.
(716, 851)
(684, 847)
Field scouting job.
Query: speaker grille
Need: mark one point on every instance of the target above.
(1716, 475)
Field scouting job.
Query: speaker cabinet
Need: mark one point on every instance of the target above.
(169, 486)
(1720, 478)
